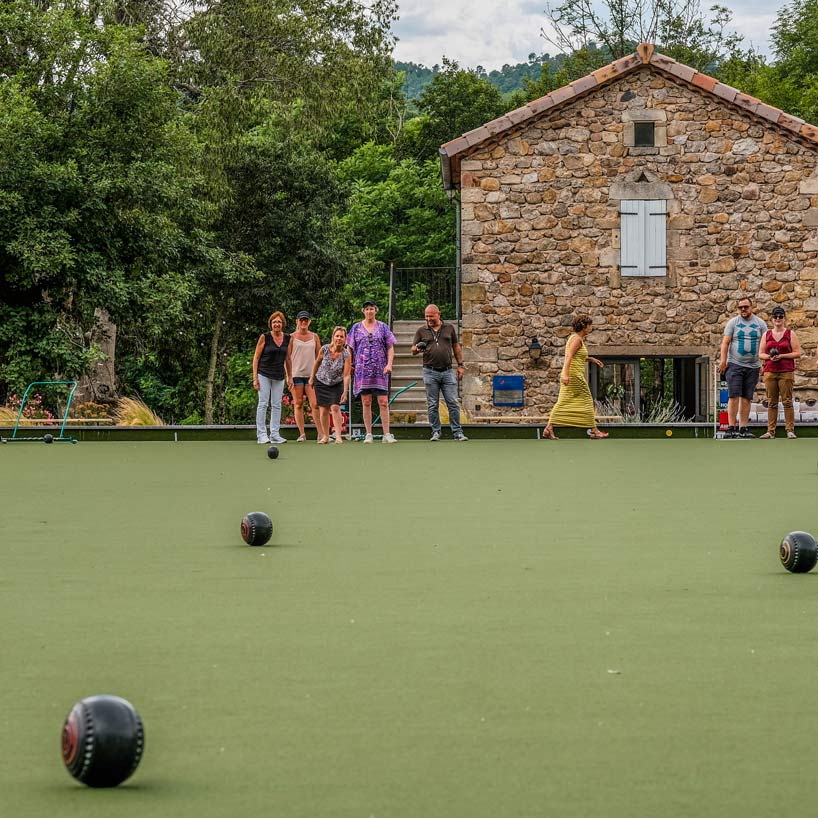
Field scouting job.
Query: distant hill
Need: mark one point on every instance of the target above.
(508, 79)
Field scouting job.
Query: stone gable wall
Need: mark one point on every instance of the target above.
(540, 234)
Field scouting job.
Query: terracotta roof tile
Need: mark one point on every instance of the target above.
(455, 146)
(768, 112)
(562, 94)
(792, 123)
(746, 101)
(477, 136)
(704, 81)
(519, 115)
(809, 132)
(584, 84)
(605, 73)
(724, 91)
(499, 125)
(684, 72)
(537, 106)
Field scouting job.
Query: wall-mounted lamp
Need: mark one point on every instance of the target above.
(535, 349)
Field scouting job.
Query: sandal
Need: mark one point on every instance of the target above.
(548, 434)
(596, 434)
(301, 439)
(767, 436)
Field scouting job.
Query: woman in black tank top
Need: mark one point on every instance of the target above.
(271, 366)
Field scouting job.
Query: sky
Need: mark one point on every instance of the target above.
(492, 33)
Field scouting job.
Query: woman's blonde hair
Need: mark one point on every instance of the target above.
(335, 329)
(277, 314)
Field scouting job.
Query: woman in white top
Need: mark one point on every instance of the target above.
(304, 348)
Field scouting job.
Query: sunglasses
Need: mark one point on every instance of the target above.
(745, 307)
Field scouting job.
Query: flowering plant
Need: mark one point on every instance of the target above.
(33, 410)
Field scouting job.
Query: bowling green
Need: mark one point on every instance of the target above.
(494, 629)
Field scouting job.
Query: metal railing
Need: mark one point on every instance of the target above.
(412, 288)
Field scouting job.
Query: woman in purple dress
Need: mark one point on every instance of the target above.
(373, 348)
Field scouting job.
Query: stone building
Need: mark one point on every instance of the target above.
(650, 196)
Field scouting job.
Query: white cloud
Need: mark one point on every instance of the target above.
(493, 32)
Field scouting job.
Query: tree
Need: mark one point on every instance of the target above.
(676, 27)
(455, 101)
(398, 209)
(792, 83)
(97, 193)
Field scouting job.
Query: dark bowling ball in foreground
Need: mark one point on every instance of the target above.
(256, 528)
(102, 741)
(272, 452)
(798, 552)
(48, 439)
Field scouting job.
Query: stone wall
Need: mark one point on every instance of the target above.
(540, 234)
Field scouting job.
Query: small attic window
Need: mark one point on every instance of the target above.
(644, 134)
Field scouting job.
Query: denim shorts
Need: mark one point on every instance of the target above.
(301, 381)
(741, 381)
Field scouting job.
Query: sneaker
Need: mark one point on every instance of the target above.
(435, 437)
(745, 434)
(278, 439)
(731, 433)
(265, 442)
(389, 439)
(460, 436)
(792, 435)
(369, 439)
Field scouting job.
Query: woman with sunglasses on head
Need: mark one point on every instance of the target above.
(305, 346)
(271, 366)
(780, 349)
(330, 377)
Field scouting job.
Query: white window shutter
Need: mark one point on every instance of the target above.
(643, 239)
(656, 234)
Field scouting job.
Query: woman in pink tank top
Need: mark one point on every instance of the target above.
(304, 346)
(780, 349)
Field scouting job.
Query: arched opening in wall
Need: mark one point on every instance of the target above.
(653, 389)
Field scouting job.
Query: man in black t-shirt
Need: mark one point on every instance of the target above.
(441, 350)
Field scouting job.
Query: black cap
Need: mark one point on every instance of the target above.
(778, 311)
(370, 303)
(302, 314)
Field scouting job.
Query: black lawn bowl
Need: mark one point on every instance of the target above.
(798, 552)
(272, 452)
(256, 528)
(102, 741)
(48, 438)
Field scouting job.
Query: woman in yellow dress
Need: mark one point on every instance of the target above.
(575, 405)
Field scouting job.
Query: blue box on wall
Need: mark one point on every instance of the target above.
(508, 390)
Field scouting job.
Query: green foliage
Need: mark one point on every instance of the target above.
(398, 209)
(454, 102)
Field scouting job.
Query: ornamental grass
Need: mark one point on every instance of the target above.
(133, 412)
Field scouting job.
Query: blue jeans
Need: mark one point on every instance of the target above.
(269, 395)
(435, 383)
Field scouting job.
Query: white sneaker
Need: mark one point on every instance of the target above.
(369, 439)
(279, 439)
(435, 437)
(389, 439)
(460, 436)
(264, 442)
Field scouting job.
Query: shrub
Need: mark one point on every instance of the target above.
(90, 410)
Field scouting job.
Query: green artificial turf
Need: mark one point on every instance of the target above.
(483, 630)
